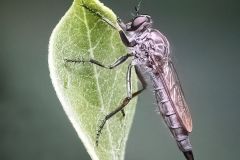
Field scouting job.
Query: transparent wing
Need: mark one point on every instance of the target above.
(177, 95)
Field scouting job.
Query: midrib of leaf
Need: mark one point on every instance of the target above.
(91, 48)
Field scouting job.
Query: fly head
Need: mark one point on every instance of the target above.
(139, 23)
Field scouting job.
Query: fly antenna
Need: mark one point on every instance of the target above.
(137, 8)
(133, 15)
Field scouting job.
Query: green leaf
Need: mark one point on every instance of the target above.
(88, 92)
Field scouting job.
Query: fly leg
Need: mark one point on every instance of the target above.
(119, 61)
(121, 24)
(126, 100)
(125, 40)
(99, 15)
(122, 34)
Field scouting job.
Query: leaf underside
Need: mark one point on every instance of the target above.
(89, 92)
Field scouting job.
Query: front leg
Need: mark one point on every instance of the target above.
(121, 31)
(121, 24)
(123, 35)
(125, 40)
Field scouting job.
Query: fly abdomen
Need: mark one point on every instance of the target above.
(172, 121)
(185, 145)
(163, 101)
(165, 109)
(178, 132)
(170, 117)
(182, 138)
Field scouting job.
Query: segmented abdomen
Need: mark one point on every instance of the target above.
(170, 116)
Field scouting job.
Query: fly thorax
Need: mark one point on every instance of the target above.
(140, 57)
(144, 43)
(161, 44)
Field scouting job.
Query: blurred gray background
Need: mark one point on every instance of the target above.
(205, 38)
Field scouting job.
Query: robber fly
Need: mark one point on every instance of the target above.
(150, 51)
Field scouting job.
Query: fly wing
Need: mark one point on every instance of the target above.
(177, 96)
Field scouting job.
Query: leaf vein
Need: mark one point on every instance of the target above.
(97, 82)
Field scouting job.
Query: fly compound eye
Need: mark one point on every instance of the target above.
(137, 22)
(140, 22)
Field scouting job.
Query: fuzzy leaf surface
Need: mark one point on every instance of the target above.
(88, 92)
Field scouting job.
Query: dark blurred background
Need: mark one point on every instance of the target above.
(205, 38)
